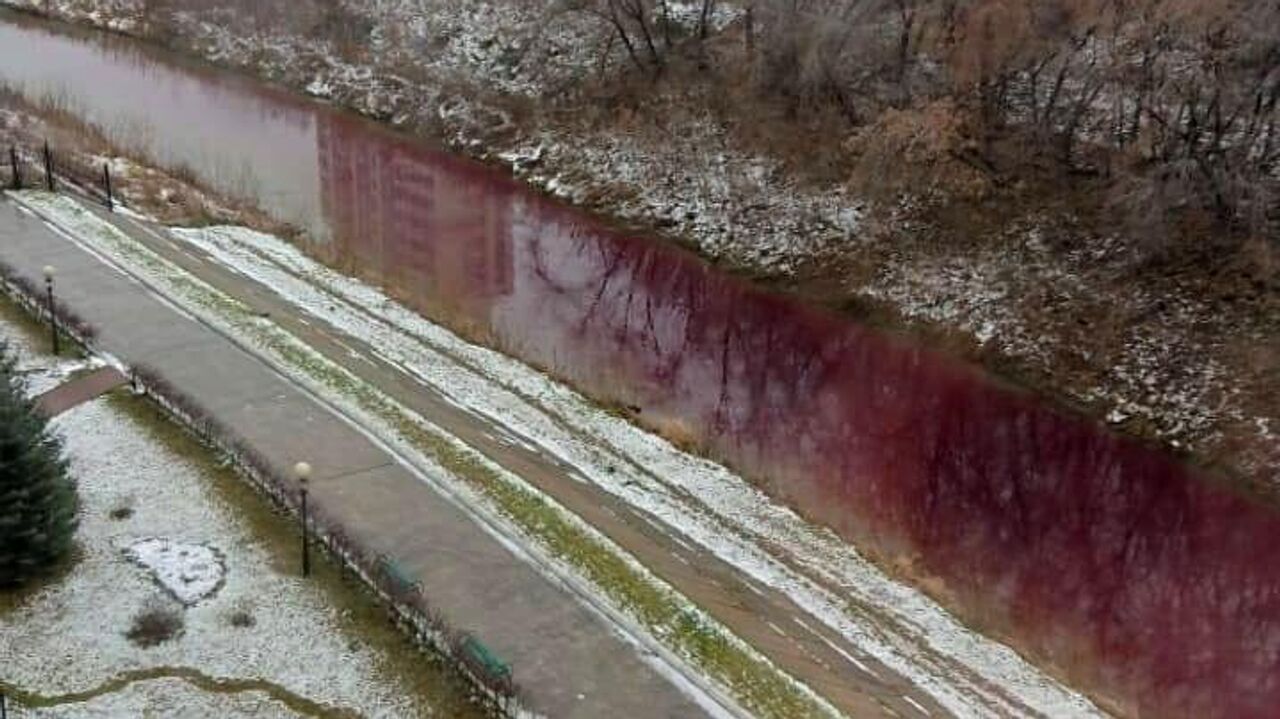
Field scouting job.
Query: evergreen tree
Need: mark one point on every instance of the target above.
(38, 504)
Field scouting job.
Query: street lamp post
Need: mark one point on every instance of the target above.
(53, 317)
(302, 471)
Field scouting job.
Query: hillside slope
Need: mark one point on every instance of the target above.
(1083, 201)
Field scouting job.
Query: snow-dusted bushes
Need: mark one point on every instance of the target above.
(157, 623)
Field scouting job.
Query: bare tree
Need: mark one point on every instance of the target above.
(635, 24)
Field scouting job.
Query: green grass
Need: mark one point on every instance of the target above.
(758, 686)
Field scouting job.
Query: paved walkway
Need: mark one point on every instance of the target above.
(570, 661)
(79, 390)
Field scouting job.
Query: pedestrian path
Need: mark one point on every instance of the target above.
(79, 390)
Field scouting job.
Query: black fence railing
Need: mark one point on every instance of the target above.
(44, 168)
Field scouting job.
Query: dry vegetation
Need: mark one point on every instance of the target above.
(82, 154)
(1172, 102)
(156, 624)
(1175, 103)
(1082, 194)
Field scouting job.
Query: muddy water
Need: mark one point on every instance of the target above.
(1140, 578)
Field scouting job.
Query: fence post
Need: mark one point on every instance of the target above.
(106, 180)
(13, 163)
(48, 166)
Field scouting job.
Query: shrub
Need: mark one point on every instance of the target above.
(919, 150)
(241, 619)
(157, 623)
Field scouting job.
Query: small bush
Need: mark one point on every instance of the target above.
(919, 149)
(156, 624)
(241, 619)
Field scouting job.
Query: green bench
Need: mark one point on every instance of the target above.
(482, 661)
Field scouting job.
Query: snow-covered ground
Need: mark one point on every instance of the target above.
(257, 640)
(189, 572)
(682, 629)
(40, 370)
(44, 372)
(1176, 382)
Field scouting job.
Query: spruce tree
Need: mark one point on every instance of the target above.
(38, 504)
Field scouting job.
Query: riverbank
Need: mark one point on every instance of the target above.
(1029, 283)
(441, 361)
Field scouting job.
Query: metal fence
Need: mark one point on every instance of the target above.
(44, 168)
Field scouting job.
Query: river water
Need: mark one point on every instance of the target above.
(1133, 573)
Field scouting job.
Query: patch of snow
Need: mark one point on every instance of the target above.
(46, 373)
(319, 88)
(738, 207)
(915, 704)
(190, 572)
(39, 370)
(1141, 354)
(688, 14)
